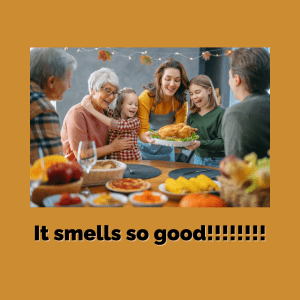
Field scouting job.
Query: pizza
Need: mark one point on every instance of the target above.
(127, 185)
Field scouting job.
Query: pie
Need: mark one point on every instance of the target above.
(127, 185)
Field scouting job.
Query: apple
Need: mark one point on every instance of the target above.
(77, 171)
(60, 173)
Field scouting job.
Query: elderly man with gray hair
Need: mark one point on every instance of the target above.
(50, 76)
(80, 125)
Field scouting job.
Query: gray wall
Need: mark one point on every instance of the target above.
(130, 71)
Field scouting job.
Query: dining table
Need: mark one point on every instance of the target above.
(164, 166)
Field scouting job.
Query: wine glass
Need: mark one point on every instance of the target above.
(36, 176)
(87, 157)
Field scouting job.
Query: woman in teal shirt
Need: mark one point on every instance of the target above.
(206, 116)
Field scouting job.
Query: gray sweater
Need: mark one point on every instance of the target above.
(246, 126)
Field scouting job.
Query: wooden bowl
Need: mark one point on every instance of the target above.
(46, 190)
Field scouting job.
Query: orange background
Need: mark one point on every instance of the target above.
(143, 270)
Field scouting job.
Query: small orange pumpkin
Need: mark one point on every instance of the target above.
(201, 200)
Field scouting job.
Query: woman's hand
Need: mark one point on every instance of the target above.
(119, 144)
(145, 138)
(87, 103)
(194, 145)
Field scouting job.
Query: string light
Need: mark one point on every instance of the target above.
(118, 53)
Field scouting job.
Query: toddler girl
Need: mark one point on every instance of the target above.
(206, 116)
(122, 121)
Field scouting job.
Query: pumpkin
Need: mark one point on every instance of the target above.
(201, 200)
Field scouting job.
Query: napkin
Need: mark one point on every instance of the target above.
(141, 171)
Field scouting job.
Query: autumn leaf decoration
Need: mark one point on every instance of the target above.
(146, 59)
(228, 53)
(206, 56)
(104, 55)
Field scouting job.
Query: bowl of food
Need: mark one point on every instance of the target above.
(127, 185)
(175, 189)
(148, 199)
(107, 200)
(59, 177)
(104, 171)
(64, 200)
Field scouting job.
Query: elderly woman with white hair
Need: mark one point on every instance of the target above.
(80, 125)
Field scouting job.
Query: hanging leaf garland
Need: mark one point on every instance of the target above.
(146, 59)
(104, 55)
(228, 52)
(206, 55)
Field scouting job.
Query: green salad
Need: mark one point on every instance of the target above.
(193, 137)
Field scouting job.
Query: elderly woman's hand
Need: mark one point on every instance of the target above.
(119, 144)
(87, 103)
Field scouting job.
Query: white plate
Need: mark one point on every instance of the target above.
(164, 199)
(116, 196)
(174, 196)
(49, 201)
(130, 191)
(171, 143)
(33, 204)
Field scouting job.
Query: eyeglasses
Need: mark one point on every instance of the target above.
(109, 92)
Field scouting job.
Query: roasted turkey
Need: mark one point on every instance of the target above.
(179, 130)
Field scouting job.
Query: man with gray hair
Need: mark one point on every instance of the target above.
(50, 76)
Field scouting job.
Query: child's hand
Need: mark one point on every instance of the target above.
(194, 145)
(87, 103)
(119, 144)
